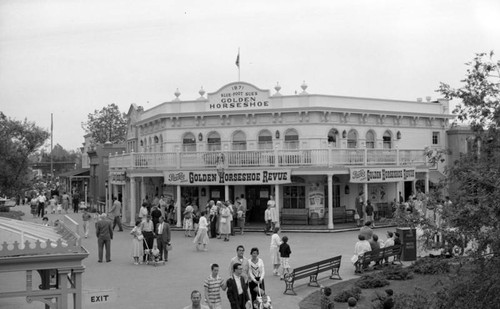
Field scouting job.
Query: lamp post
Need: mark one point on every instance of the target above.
(106, 193)
(85, 186)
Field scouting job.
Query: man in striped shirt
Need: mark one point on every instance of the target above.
(213, 285)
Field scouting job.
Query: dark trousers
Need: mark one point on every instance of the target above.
(117, 221)
(162, 246)
(149, 239)
(100, 247)
(75, 205)
(41, 209)
(213, 227)
(240, 304)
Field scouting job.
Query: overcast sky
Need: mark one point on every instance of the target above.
(71, 57)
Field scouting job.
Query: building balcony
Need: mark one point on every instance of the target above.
(328, 158)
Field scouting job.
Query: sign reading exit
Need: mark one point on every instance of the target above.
(99, 297)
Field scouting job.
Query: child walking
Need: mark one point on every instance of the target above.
(86, 222)
(285, 252)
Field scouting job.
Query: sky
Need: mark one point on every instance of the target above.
(72, 57)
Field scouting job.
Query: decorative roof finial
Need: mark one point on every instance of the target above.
(177, 94)
(277, 88)
(304, 87)
(202, 93)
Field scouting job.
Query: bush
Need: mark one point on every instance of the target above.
(343, 296)
(397, 273)
(13, 214)
(418, 300)
(372, 281)
(430, 266)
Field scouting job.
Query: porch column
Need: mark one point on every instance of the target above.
(277, 198)
(143, 189)
(226, 192)
(178, 206)
(132, 201)
(110, 195)
(427, 182)
(414, 187)
(330, 201)
(78, 286)
(63, 287)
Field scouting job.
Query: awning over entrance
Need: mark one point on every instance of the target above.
(82, 172)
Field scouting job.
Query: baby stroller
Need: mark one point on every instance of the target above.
(263, 301)
(152, 255)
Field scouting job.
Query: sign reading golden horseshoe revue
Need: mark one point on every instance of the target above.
(376, 174)
(240, 177)
(236, 96)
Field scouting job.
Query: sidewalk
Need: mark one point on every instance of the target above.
(169, 286)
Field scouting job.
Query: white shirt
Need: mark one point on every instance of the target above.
(238, 284)
(202, 224)
(160, 228)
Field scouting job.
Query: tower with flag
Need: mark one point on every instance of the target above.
(238, 63)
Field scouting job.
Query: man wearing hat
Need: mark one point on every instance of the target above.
(104, 233)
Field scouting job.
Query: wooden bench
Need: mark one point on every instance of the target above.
(378, 256)
(312, 271)
(341, 214)
(295, 216)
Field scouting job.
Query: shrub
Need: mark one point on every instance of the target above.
(430, 266)
(372, 281)
(13, 214)
(343, 296)
(418, 300)
(397, 273)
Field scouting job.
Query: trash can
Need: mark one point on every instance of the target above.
(408, 238)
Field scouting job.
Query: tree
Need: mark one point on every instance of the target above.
(475, 212)
(18, 140)
(107, 125)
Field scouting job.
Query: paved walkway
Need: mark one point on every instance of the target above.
(169, 286)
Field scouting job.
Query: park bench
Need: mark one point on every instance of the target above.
(341, 214)
(295, 216)
(379, 256)
(312, 271)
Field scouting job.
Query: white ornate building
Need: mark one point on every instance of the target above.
(314, 153)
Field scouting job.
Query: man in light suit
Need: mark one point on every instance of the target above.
(163, 238)
(115, 212)
(237, 290)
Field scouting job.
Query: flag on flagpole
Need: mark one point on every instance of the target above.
(238, 59)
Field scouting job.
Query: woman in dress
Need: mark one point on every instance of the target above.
(274, 212)
(65, 202)
(225, 222)
(256, 274)
(274, 250)
(202, 235)
(137, 240)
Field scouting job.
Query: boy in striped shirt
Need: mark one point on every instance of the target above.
(213, 285)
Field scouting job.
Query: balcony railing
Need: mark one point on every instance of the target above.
(267, 158)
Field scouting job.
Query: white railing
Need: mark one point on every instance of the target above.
(259, 158)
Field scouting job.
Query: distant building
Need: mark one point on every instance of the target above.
(314, 153)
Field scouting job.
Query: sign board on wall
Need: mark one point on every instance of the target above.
(375, 174)
(316, 200)
(229, 177)
(238, 96)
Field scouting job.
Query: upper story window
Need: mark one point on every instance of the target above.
(239, 141)
(213, 142)
(435, 138)
(370, 139)
(352, 139)
(291, 139)
(387, 139)
(189, 143)
(333, 136)
(265, 140)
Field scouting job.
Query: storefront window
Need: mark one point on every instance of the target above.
(294, 197)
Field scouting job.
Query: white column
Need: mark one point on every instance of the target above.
(277, 198)
(178, 206)
(414, 187)
(226, 192)
(330, 202)
(427, 182)
(110, 195)
(143, 189)
(132, 201)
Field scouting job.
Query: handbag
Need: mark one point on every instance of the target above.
(169, 247)
(354, 259)
(223, 220)
(140, 237)
(356, 216)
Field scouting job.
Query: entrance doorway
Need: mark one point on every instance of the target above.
(408, 189)
(257, 197)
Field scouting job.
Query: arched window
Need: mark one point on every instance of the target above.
(265, 140)
(387, 138)
(291, 139)
(333, 136)
(213, 142)
(239, 141)
(352, 139)
(189, 143)
(370, 139)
